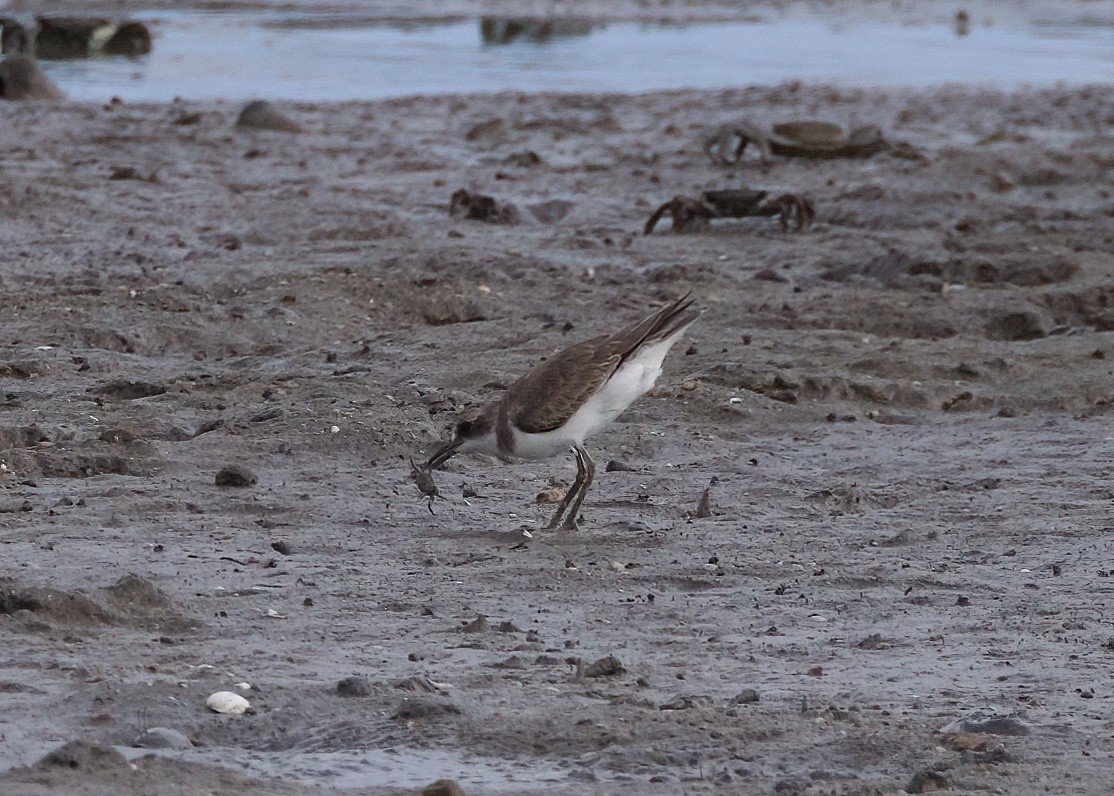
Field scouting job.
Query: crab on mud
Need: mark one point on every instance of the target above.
(794, 211)
(802, 139)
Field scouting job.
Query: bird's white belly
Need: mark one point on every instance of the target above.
(634, 379)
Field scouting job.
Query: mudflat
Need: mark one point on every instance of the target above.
(859, 540)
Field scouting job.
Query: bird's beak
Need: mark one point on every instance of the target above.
(443, 454)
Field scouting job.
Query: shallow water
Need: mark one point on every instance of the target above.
(300, 56)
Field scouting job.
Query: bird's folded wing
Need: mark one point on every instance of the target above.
(550, 394)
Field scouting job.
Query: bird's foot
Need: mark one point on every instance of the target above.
(570, 524)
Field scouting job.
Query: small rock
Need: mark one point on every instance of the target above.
(419, 685)
(686, 703)
(477, 625)
(227, 702)
(131, 38)
(553, 494)
(615, 466)
(1016, 326)
(478, 207)
(604, 667)
(704, 505)
(118, 436)
(163, 738)
(524, 159)
(551, 211)
(281, 547)
(130, 173)
(419, 708)
(966, 741)
(745, 697)
(875, 641)
(235, 475)
(354, 687)
(135, 592)
(823, 783)
(229, 241)
(262, 115)
(988, 721)
(85, 755)
(769, 275)
(443, 787)
(927, 782)
(130, 389)
(489, 133)
(1002, 182)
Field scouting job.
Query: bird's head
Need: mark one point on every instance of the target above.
(472, 427)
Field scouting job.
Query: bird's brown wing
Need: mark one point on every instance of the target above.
(549, 394)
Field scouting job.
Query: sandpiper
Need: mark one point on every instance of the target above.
(573, 394)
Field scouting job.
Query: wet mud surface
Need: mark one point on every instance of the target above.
(870, 498)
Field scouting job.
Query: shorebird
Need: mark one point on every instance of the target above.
(570, 396)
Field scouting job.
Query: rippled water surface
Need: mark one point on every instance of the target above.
(307, 56)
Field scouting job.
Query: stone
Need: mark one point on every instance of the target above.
(262, 115)
(163, 738)
(354, 687)
(234, 475)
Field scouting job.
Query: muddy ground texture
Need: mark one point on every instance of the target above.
(902, 418)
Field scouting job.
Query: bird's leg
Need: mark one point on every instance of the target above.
(570, 495)
(586, 466)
